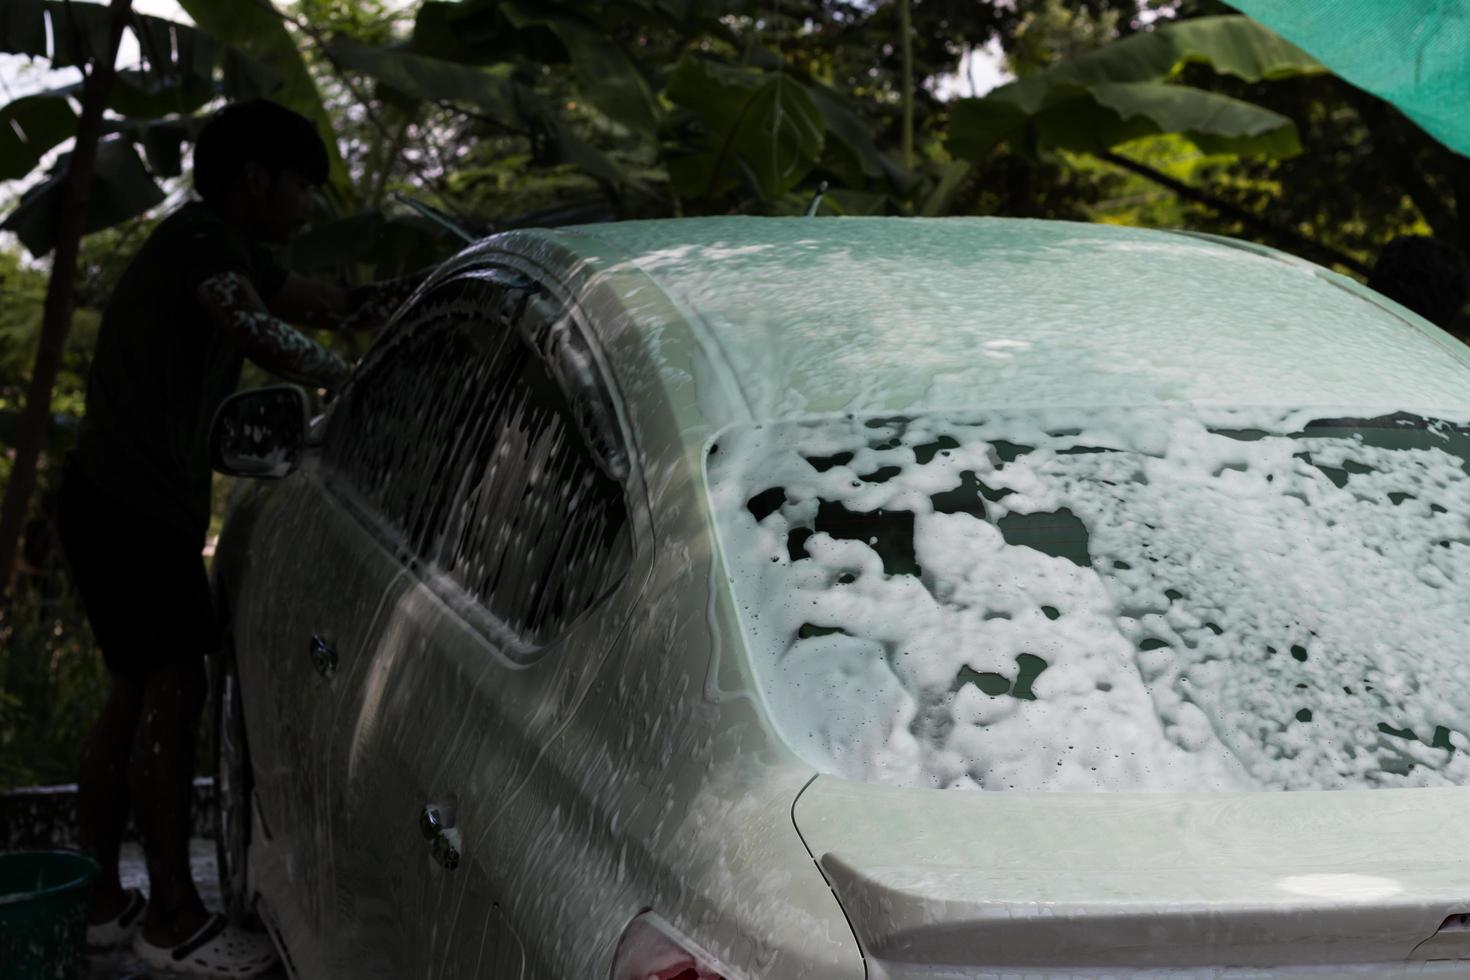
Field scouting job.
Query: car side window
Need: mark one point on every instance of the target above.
(492, 462)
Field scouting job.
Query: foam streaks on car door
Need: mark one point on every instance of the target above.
(356, 915)
(313, 606)
(429, 725)
(493, 650)
(391, 458)
(470, 756)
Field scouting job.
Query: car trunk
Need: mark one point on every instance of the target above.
(932, 880)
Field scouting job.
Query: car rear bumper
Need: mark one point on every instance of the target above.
(965, 884)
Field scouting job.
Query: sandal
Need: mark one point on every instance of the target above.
(119, 929)
(218, 949)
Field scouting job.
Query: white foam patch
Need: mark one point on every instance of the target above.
(1188, 605)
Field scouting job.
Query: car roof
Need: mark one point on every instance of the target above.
(813, 315)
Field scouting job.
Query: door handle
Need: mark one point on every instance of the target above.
(323, 656)
(445, 849)
(431, 822)
(443, 839)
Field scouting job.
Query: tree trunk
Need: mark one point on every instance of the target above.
(56, 318)
(905, 28)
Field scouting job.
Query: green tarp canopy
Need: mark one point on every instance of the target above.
(1413, 53)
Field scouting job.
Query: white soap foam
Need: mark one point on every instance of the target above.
(1198, 607)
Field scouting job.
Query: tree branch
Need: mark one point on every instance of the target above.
(1284, 238)
(481, 117)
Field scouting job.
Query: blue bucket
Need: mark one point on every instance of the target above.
(43, 914)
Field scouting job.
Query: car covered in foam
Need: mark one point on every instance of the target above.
(831, 598)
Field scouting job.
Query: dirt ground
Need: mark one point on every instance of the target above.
(122, 965)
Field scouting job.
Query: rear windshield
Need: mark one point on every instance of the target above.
(1108, 599)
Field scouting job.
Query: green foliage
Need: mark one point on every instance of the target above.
(1366, 176)
(663, 107)
(389, 246)
(52, 680)
(28, 128)
(1229, 45)
(183, 69)
(608, 76)
(24, 290)
(420, 78)
(122, 188)
(686, 107)
(1057, 31)
(1122, 92)
(257, 30)
(180, 61)
(755, 127)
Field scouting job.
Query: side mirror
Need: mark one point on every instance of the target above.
(260, 433)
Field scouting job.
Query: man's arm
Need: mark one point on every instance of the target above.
(234, 306)
(327, 307)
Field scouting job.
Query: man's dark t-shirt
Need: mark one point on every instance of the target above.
(162, 367)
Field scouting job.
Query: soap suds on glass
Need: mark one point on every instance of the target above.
(1115, 599)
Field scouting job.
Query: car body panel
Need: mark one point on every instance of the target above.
(882, 314)
(302, 780)
(1088, 884)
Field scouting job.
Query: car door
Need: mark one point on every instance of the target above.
(334, 591)
(330, 550)
(506, 500)
(318, 589)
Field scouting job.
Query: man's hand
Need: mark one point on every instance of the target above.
(322, 306)
(234, 306)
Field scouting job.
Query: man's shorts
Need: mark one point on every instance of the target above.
(142, 580)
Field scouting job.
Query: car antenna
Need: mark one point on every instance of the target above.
(434, 215)
(811, 209)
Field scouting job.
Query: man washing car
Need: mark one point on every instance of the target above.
(201, 296)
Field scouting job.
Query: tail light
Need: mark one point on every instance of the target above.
(651, 949)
